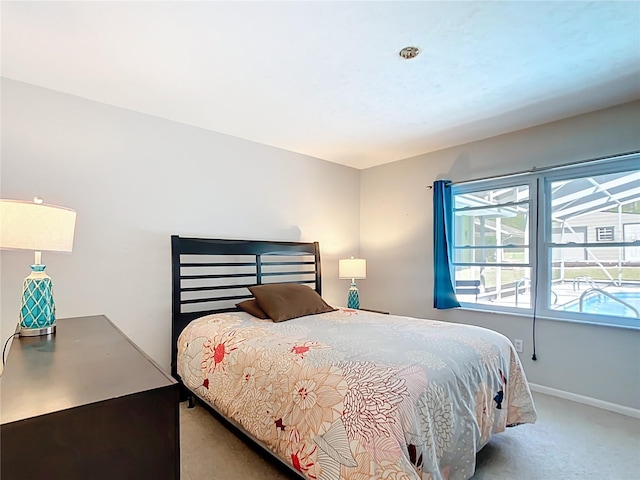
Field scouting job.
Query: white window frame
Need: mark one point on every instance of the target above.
(540, 246)
(605, 230)
(496, 184)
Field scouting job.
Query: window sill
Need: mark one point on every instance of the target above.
(529, 314)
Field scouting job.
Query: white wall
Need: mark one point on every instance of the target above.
(396, 239)
(134, 180)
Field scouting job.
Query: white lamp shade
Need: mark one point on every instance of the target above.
(38, 227)
(354, 268)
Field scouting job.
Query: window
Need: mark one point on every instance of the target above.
(491, 245)
(535, 242)
(604, 234)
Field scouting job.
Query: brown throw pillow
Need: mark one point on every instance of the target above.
(252, 307)
(284, 301)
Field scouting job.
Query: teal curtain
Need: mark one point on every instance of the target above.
(444, 294)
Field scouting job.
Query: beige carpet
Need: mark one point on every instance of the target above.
(569, 441)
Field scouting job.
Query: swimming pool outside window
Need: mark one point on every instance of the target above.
(565, 242)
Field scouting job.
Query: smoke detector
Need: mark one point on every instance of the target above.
(409, 52)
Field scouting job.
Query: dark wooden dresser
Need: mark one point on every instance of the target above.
(86, 403)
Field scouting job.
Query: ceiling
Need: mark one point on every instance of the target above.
(324, 78)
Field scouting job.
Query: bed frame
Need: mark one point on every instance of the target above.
(212, 275)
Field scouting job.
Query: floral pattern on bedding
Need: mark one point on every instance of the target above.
(355, 395)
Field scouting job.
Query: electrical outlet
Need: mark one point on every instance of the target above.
(518, 344)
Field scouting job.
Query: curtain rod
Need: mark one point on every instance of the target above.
(544, 169)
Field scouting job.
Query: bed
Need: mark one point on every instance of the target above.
(343, 394)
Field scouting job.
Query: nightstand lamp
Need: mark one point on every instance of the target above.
(39, 227)
(355, 269)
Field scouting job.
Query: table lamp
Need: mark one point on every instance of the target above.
(353, 268)
(39, 227)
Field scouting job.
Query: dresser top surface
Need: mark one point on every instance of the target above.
(88, 360)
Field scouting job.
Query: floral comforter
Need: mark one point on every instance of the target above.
(356, 395)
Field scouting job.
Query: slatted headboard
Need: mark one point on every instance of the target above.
(212, 275)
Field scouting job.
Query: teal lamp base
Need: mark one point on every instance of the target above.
(38, 310)
(353, 300)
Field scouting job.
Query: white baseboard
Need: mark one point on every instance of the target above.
(593, 402)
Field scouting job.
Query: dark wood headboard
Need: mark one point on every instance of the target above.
(212, 275)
